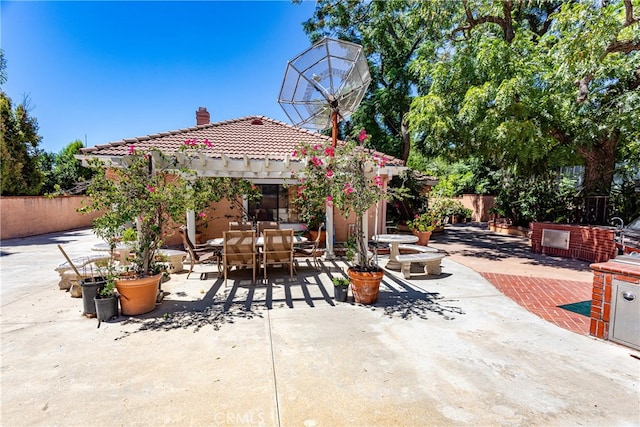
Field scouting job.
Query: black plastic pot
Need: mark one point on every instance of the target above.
(106, 308)
(90, 288)
(340, 292)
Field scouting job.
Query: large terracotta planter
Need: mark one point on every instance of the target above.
(423, 237)
(138, 296)
(365, 285)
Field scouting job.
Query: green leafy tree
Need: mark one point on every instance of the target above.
(46, 164)
(68, 171)
(530, 86)
(19, 152)
(392, 33)
(19, 140)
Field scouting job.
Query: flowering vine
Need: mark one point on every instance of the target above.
(346, 176)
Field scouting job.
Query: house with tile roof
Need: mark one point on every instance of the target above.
(255, 148)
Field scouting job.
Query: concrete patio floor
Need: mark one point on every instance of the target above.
(449, 350)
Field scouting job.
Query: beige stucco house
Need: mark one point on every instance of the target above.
(255, 148)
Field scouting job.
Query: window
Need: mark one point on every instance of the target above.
(273, 206)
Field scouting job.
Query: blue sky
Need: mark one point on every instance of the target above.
(104, 71)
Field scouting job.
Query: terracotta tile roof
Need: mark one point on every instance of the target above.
(257, 137)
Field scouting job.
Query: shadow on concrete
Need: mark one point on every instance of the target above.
(309, 288)
(475, 240)
(399, 298)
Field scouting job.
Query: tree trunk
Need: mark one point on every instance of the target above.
(406, 141)
(361, 243)
(599, 165)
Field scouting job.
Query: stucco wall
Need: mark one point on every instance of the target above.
(480, 206)
(33, 215)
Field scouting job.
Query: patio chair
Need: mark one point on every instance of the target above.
(243, 226)
(266, 225)
(311, 249)
(199, 253)
(239, 250)
(277, 249)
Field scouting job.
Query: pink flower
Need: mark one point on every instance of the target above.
(132, 149)
(377, 180)
(303, 152)
(330, 201)
(295, 153)
(363, 135)
(317, 162)
(150, 188)
(201, 215)
(329, 173)
(191, 142)
(208, 143)
(330, 152)
(347, 188)
(316, 147)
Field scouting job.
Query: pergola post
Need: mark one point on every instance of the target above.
(191, 225)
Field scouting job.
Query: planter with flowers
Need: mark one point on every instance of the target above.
(149, 190)
(422, 226)
(342, 176)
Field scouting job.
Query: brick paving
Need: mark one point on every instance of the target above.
(539, 283)
(542, 296)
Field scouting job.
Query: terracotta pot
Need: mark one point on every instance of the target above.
(365, 285)
(138, 296)
(423, 237)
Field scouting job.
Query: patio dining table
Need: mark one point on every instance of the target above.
(218, 242)
(394, 240)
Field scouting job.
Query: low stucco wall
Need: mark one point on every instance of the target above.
(479, 204)
(33, 215)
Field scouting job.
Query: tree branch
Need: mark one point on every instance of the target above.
(503, 21)
(623, 46)
(628, 13)
(618, 46)
(583, 87)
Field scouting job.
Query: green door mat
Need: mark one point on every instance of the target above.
(583, 307)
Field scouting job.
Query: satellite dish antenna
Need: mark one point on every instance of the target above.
(321, 85)
(325, 83)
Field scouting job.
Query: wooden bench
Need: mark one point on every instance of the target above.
(430, 260)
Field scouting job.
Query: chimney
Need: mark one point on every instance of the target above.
(202, 116)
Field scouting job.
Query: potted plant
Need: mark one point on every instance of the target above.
(340, 288)
(149, 190)
(346, 177)
(91, 286)
(106, 300)
(422, 225)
